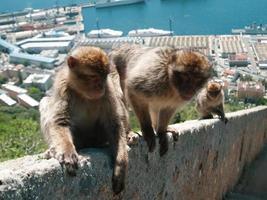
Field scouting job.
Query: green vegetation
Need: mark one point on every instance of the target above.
(19, 132)
(35, 93)
(3, 79)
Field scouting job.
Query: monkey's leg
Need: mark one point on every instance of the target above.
(220, 112)
(142, 112)
(117, 139)
(163, 121)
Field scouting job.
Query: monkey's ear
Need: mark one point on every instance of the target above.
(72, 62)
(173, 57)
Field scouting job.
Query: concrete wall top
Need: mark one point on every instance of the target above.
(204, 163)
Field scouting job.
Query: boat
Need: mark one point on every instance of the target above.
(110, 3)
(150, 32)
(252, 29)
(104, 33)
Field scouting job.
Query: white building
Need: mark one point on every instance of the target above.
(13, 91)
(6, 100)
(27, 101)
(42, 81)
(38, 44)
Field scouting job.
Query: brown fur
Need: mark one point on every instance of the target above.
(211, 101)
(157, 81)
(86, 110)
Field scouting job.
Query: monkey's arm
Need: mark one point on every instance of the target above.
(220, 112)
(56, 129)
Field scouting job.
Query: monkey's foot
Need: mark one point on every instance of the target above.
(164, 144)
(69, 159)
(174, 132)
(225, 120)
(133, 137)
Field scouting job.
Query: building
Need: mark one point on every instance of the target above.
(199, 42)
(7, 47)
(238, 60)
(230, 45)
(43, 42)
(13, 91)
(42, 81)
(251, 90)
(28, 59)
(108, 43)
(260, 50)
(6, 100)
(27, 101)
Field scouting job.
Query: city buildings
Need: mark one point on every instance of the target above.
(41, 81)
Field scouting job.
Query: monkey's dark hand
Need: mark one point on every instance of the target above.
(225, 120)
(66, 157)
(118, 178)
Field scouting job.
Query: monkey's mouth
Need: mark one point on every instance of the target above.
(95, 94)
(187, 96)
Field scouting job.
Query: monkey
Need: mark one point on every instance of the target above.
(86, 109)
(210, 101)
(157, 81)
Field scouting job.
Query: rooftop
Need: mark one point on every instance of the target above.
(7, 100)
(32, 57)
(14, 88)
(29, 100)
(37, 78)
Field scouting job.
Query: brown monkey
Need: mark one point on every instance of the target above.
(157, 81)
(211, 101)
(86, 109)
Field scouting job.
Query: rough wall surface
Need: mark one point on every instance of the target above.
(203, 164)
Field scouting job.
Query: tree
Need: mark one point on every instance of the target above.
(3, 79)
(36, 93)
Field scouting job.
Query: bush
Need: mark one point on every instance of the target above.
(35, 93)
(19, 133)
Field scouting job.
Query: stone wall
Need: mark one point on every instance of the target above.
(203, 164)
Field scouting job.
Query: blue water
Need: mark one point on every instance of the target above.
(188, 16)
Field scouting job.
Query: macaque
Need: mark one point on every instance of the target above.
(157, 81)
(86, 109)
(211, 101)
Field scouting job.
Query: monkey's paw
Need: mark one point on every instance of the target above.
(133, 137)
(225, 120)
(118, 183)
(67, 158)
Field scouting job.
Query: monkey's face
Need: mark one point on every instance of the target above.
(191, 71)
(214, 89)
(89, 69)
(187, 84)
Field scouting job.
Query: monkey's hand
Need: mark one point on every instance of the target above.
(67, 157)
(118, 182)
(225, 120)
(133, 137)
